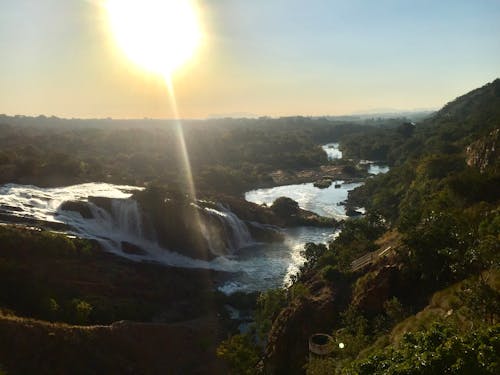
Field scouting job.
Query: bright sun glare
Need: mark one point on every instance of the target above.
(159, 35)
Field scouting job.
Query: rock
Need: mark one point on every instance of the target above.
(7, 208)
(103, 202)
(351, 212)
(28, 221)
(323, 183)
(265, 233)
(484, 152)
(288, 346)
(130, 248)
(81, 207)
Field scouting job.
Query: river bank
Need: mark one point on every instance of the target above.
(331, 172)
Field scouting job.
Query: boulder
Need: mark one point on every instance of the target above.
(103, 202)
(323, 183)
(265, 233)
(351, 212)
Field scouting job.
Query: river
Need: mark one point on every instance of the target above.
(255, 266)
(272, 265)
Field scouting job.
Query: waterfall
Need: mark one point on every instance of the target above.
(106, 213)
(123, 222)
(96, 211)
(231, 232)
(127, 216)
(240, 235)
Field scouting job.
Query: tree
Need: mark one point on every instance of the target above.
(81, 311)
(284, 206)
(439, 350)
(240, 353)
(312, 253)
(269, 304)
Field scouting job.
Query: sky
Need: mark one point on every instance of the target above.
(259, 57)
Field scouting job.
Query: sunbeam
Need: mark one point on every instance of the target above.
(188, 175)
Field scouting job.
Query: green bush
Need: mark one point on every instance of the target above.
(440, 349)
(240, 353)
(269, 304)
(331, 273)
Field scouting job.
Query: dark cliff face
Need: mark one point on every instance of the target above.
(208, 227)
(287, 349)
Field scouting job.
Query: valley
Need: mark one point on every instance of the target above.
(269, 258)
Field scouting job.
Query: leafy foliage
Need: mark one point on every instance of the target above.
(441, 196)
(226, 155)
(52, 277)
(284, 206)
(240, 353)
(269, 304)
(439, 350)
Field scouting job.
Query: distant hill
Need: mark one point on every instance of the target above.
(474, 114)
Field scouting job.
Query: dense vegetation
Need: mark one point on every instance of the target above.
(433, 297)
(51, 277)
(228, 155)
(438, 210)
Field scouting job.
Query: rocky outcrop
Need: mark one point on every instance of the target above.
(130, 248)
(206, 228)
(77, 206)
(7, 217)
(265, 232)
(323, 183)
(484, 152)
(251, 212)
(374, 288)
(34, 347)
(324, 172)
(102, 202)
(287, 348)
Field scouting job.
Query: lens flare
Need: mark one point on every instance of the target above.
(180, 138)
(159, 35)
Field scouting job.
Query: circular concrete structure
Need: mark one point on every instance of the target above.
(320, 344)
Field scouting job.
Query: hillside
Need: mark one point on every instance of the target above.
(68, 307)
(435, 220)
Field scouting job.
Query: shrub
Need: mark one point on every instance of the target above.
(331, 273)
(284, 206)
(439, 350)
(240, 353)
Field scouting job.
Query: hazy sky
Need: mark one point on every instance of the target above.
(262, 57)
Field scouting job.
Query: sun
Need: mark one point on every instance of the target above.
(159, 35)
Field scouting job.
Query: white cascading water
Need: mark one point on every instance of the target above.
(110, 229)
(127, 216)
(255, 267)
(123, 223)
(237, 234)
